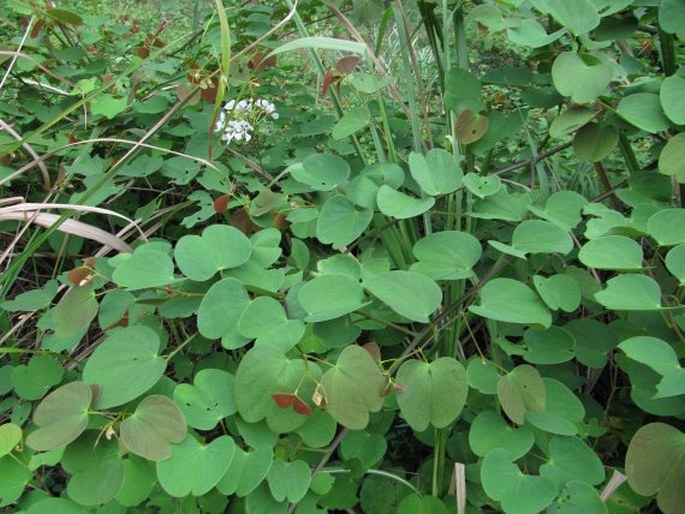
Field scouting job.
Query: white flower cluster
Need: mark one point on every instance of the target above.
(237, 120)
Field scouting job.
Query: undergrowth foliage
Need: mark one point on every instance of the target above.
(261, 265)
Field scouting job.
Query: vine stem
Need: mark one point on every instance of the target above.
(324, 460)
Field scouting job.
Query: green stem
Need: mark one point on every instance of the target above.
(439, 461)
(628, 154)
(668, 60)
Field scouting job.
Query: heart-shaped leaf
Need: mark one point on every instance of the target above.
(432, 393)
(446, 255)
(675, 262)
(415, 504)
(208, 400)
(246, 472)
(655, 464)
(595, 141)
(409, 294)
(436, 173)
(195, 468)
(10, 437)
(323, 172)
(537, 236)
(569, 458)
(583, 77)
(611, 252)
(518, 493)
(520, 391)
(579, 16)
(506, 299)
(352, 121)
(353, 388)
(367, 448)
(559, 291)
(552, 346)
(219, 247)
(399, 205)
(672, 97)
(125, 365)
(470, 127)
(643, 110)
(289, 480)
(13, 479)
(61, 417)
(482, 186)
(145, 268)
(578, 497)
(149, 431)
(562, 413)
(672, 158)
(220, 311)
(631, 292)
(570, 121)
(330, 296)
(340, 222)
(489, 430)
(660, 356)
(665, 226)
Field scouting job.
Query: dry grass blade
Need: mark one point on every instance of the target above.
(43, 168)
(616, 480)
(68, 226)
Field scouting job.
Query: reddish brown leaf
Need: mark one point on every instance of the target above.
(470, 127)
(283, 400)
(327, 81)
(279, 221)
(36, 29)
(373, 349)
(260, 62)
(347, 64)
(142, 52)
(79, 276)
(301, 407)
(221, 203)
(241, 220)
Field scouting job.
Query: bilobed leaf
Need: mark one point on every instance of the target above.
(143, 269)
(506, 299)
(595, 141)
(289, 480)
(155, 424)
(437, 172)
(14, 477)
(578, 497)
(462, 91)
(518, 493)
(660, 356)
(666, 227)
(675, 262)
(570, 121)
(559, 291)
(415, 504)
(655, 464)
(363, 446)
(61, 417)
(221, 308)
(579, 16)
(432, 393)
(643, 110)
(611, 252)
(520, 391)
(352, 121)
(399, 205)
(219, 247)
(552, 346)
(672, 96)
(538, 236)
(489, 430)
(10, 436)
(208, 400)
(672, 158)
(340, 222)
(569, 458)
(33, 300)
(446, 255)
(195, 468)
(353, 388)
(482, 186)
(125, 365)
(562, 413)
(409, 294)
(328, 297)
(672, 17)
(583, 77)
(322, 172)
(631, 292)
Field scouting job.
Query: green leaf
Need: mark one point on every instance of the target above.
(569, 458)
(330, 296)
(578, 497)
(432, 393)
(672, 17)
(352, 121)
(583, 77)
(660, 356)
(140, 478)
(611, 252)
(631, 292)
(209, 400)
(595, 141)
(108, 106)
(462, 91)
(14, 477)
(415, 504)
(246, 472)
(33, 300)
(655, 464)
(264, 371)
(71, 318)
(506, 299)
(61, 417)
(32, 381)
(579, 16)
(55, 506)
(409, 294)
(340, 222)
(672, 158)
(552, 346)
(520, 391)
(518, 493)
(219, 247)
(265, 319)
(149, 431)
(675, 262)
(436, 173)
(144, 269)
(10, 437)
(489, 431)
(672, 96)
(289, 480)
(64, 16)
(353, 388)
(125, 365)
(220, 311)
(322, 43)
(446, 255)
(558, 291)
(399, 205)
(482, 186)
(643, 110)
(666, 227)
(483, 375)
(367, 448)
(537, 236)
(322, 172)
(96, 468)
(562, 413)
(195, 468)
(570, 121)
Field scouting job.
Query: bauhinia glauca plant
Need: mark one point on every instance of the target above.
(358, 256)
